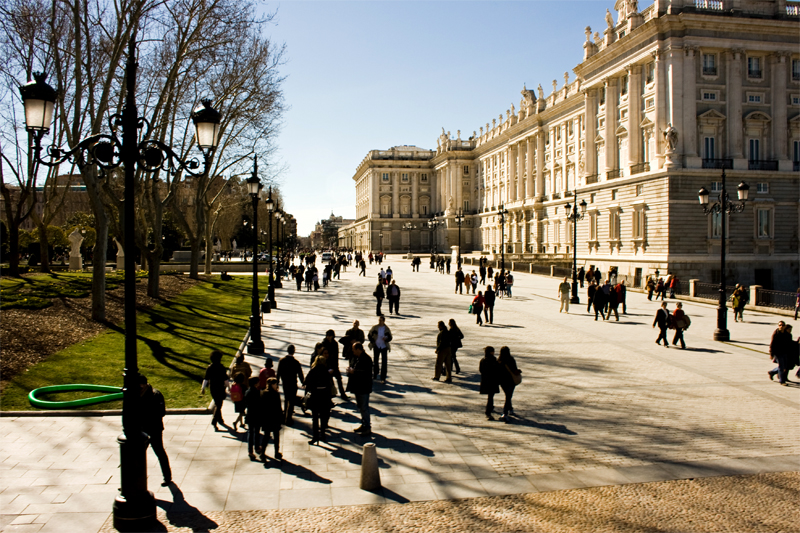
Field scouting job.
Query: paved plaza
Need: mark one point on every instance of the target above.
(601, 407)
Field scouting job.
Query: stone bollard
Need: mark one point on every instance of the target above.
(370, 475)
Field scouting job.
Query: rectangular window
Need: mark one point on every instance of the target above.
(716, 186)
(466, 170)
(716, 225)
(639, 190)
(650, 72)
(709, 64)
(424, 238)
(754, 98)
(754, 68)
(796, 69)
(762, 188)
(557, 232)
(795, 99)
(613, 225)
(466, 205)
(650, 103)
(623, 85)
(385, 176)
(424, 209)
(710, 96)
(424, 177)
(593, 226)
(796, 151)
(754, 150)
(764, 227)
(638, 224)
(404, 239)
(614, 193)
(592, 197)
(708, 148)
(405, 177)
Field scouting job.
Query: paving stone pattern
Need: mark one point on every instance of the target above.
(600, 404)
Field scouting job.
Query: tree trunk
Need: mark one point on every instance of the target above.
(194, 260)
(44, 249)
(99, 270)
(209, 249)
(13, 250)
(153, 277)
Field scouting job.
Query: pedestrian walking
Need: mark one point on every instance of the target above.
(581, 276)
(241, 367)
(662, 320)
(289, 372)
(360, 384)
(393, 295)
(490, 377)
(489, 299)
(482, 271)
(355, 334)
(783, 352)
(738, 301)
(238, 389)
(599, 302)
(265, 373)
(379, 295)
(380, 337)
(456, 337)
(459, 281)
(613, 302)
(490, 275)
(153, 409)
(509, 283)
(660, 289)
(443, 359)
(651, 286)
(474, 280)
(364, 268)
(318, 392)
(216, 380)
(467, 282)
(332, 347)
(797, 303)
(510, 377)
(563, 292)
(447, 263)
(590, 291)
(252, 400)
(623, 296)
(681, 323)
(271, 418)
(478, 304)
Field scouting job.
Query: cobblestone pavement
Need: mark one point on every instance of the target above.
(765, 502)
(600, 405)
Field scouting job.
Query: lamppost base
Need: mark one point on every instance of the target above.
(722, 334)
(574, 300)
(135, 507)
(255, 347)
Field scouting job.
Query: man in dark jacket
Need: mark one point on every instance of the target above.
(271, 418)
(393, 295)
(360, 384)
(332, 346)
(459, 281)
(488, 309)
(443, 358)
(153, 411)
(662, 321)
(379, 295)
(289, 371)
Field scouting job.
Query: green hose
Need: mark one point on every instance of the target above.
(43, 404)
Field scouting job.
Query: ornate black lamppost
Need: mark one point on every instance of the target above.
(502, 212)
(459, 221)
(433, 224)
(271, 287)
(723, 208)
(408, 226)
(574, 217)
(256, 345)
(134, 507)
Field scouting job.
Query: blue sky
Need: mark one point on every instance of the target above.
(365, 75)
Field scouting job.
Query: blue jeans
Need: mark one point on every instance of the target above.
(362, 401)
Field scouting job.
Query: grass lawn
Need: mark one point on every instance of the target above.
(175, 340)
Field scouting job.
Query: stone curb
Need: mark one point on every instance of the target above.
(97, 412)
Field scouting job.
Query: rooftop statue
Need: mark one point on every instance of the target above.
(609, 19)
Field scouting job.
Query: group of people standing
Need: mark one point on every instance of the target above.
(785, 352)
(605, 299)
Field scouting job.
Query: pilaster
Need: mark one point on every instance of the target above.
(590, 110)
(675, 59)
(414, 195)
(612, 103)
(734, 119)
(690, 107)
(539, 164)
(780, 64)
(395, 195)
(634, 115)
(661, 105)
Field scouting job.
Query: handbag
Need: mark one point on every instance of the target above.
(470, 309)
(306, 400)
(517, 378)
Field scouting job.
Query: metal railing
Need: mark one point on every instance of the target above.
(762, 164)
(709, 71)
(793, 9)
(613, 174)
(592, 179)
(710, 5)
(638, 168)
(710, 291)
(718, 163)
(778, 299)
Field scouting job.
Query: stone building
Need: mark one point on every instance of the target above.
(665, 100)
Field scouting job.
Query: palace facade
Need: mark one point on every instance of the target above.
(666, 100)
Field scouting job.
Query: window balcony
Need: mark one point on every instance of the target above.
(614, 174)
(640, 167)
(754, 74)
(762, 164)
(718, 163)
(709, 71)
(592, 179)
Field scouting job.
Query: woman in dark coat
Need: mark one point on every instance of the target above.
(379, 295)
(318, 384)
(508, 369)
(271, 417)
(477, 307)
(216, 380)
(599, 302)
(490, 375)
(590, 292)
(455, 343)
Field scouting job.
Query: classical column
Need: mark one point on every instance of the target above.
(375, 190)
(524, 229)
(734, 119)
(459, 183)
(778, 107)
(414, 195)
(634, 115)
(540, 164)
(395, 195)
(675, 66)
(661, 105)
(612, 102)
(564, 160)
(521, 176)
(529, 179)
(590, 110)
(689, 129)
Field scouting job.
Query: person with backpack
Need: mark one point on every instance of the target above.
(681, 322)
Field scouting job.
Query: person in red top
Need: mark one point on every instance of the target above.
(680, 322)
(265, 373)
(477, 307)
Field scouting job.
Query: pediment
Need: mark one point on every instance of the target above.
(758, 116)
(621, 131)
(646, 123)
(711, 115)
(599, 139)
